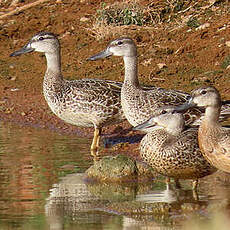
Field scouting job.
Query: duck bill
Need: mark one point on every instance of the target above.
(103, 54)
(25, 49)
(145, 125)
(185, 106)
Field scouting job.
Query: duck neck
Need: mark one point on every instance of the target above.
(212, 115)
(53, 66)
(131, 71)
(175, 132)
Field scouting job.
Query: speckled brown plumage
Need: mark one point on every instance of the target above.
(171, 149)
(87, 103)
(175, 156)
(140, 103)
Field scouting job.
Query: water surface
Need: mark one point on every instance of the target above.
(42, 186)
(31, 161)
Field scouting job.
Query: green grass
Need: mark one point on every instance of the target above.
(226, 62)
(120, 14)
(193, 22)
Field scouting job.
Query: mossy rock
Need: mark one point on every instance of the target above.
(118, 168)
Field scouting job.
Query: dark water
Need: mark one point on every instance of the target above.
(42, 186)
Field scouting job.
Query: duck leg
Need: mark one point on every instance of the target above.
(194, 189)
(167, 181)
(195, 184)
(95, 143)
(177, 183)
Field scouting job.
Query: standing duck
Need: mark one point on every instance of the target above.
(138, 103)
(171, 148)
(87, 102)
(214, 140)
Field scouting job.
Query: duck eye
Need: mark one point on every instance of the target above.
(119, 43)
(41, 38)
(163, 112)
(203, 92)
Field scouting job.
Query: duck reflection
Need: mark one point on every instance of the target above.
(127, 205)
(169, 195)
(84, 203)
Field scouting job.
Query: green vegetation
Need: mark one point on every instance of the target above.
(226, 62)
(121, 14)
(4, 70)
(112, 19)
(133, 13)
(193, 22)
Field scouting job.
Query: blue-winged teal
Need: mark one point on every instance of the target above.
(87, 102)
(214, 140)
(171, 148)
(138, 103)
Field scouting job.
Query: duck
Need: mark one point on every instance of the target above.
(86, 102)
(141, 103)
(171, 148)
(213, 138)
